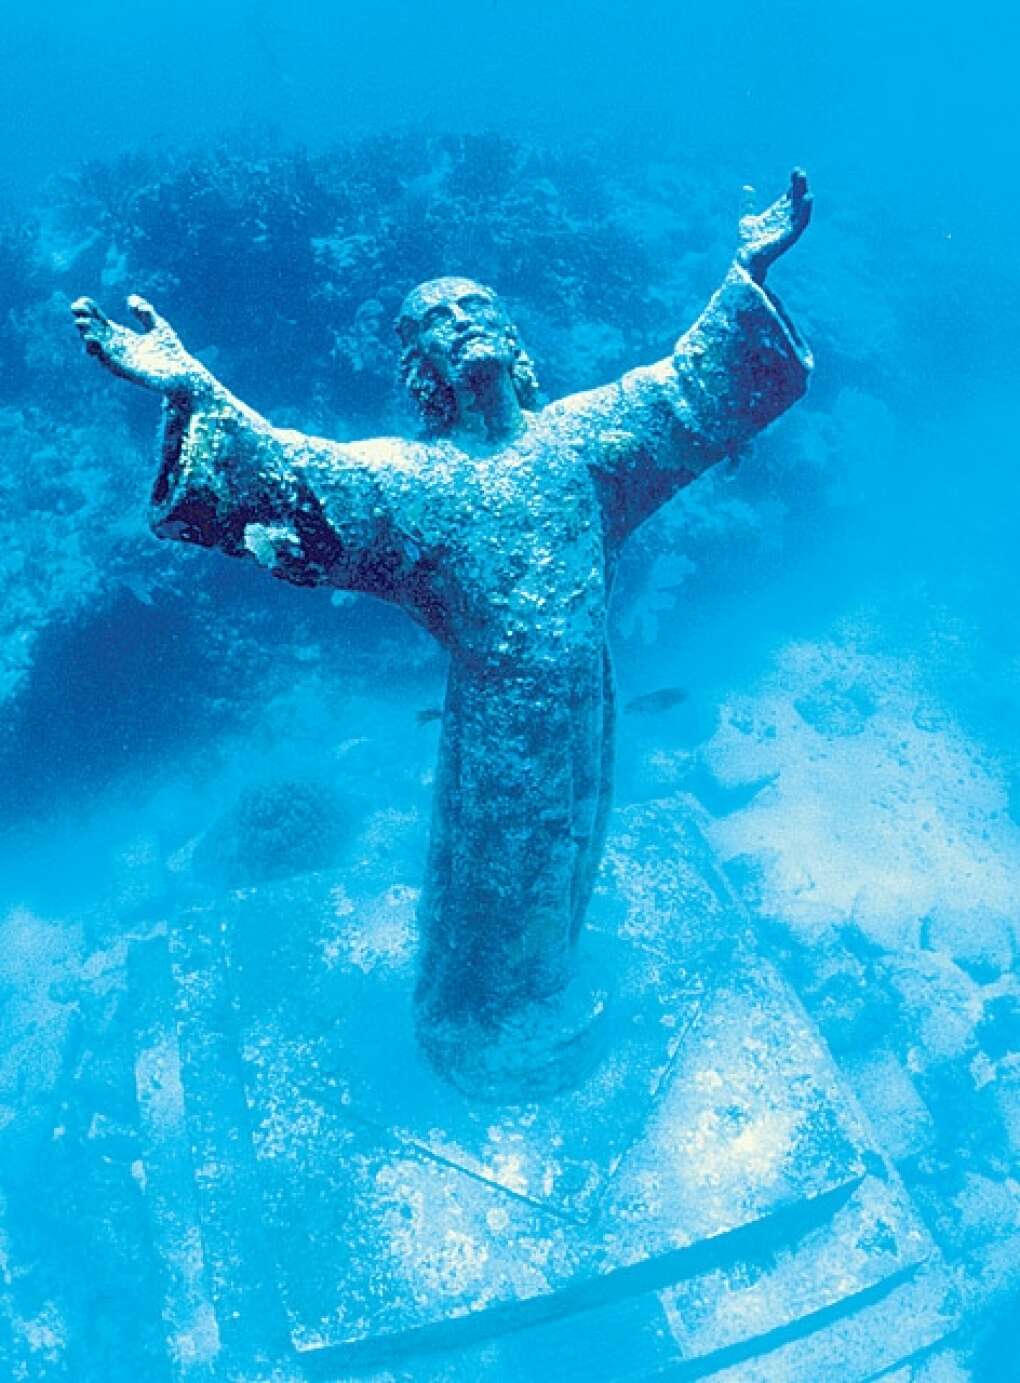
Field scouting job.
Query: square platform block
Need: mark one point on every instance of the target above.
(402, 1213)
(391, 1214)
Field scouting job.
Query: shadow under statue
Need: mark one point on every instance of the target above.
(499, 531)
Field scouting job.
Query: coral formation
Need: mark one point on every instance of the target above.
(273, 830)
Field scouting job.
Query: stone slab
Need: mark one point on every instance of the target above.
(254, 1342)
(874, 1237)
(659, 885)
(221, 1313)
(383, 1249)
(635, 1337)
(166, 1172)
(400, 1211)
(755, 1121)
(560, 1152)
(888, 1328)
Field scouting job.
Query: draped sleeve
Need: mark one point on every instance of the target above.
(313, 512)
(737, 369)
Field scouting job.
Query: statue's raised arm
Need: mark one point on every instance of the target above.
(733, 372)
(314, 512)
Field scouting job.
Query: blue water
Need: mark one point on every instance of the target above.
(837, 610)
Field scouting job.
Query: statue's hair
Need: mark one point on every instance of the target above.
(434, 398)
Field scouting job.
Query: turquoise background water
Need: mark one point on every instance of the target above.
(837, 612)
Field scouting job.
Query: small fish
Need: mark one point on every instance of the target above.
(429, 714)
(654, 703)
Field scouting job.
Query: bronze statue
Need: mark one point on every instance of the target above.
(499, 530)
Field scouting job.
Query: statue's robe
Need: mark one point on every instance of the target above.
(506, 556)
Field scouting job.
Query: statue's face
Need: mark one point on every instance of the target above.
(458, 326)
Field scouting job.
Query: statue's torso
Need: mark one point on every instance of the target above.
(513, 541)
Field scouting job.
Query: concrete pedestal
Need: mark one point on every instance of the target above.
(705, 1200)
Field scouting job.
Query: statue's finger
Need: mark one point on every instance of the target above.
(748, 200)
(145, 313)
(87, 310)
(798, 184)
(92, 326)
(801, 211)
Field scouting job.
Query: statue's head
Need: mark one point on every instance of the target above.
(449, 329)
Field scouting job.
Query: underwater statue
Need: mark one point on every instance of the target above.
(499, 531)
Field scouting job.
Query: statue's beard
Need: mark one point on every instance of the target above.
(482, 365)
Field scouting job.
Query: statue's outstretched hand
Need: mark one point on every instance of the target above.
(770, 233)
(153, 357)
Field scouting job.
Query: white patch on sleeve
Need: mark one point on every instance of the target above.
(269, 544)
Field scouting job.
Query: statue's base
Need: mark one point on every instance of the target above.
(706, 1193)
(515, 1130)
(544, 1047)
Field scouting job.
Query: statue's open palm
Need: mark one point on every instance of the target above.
(770, 233)
(153, 357)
